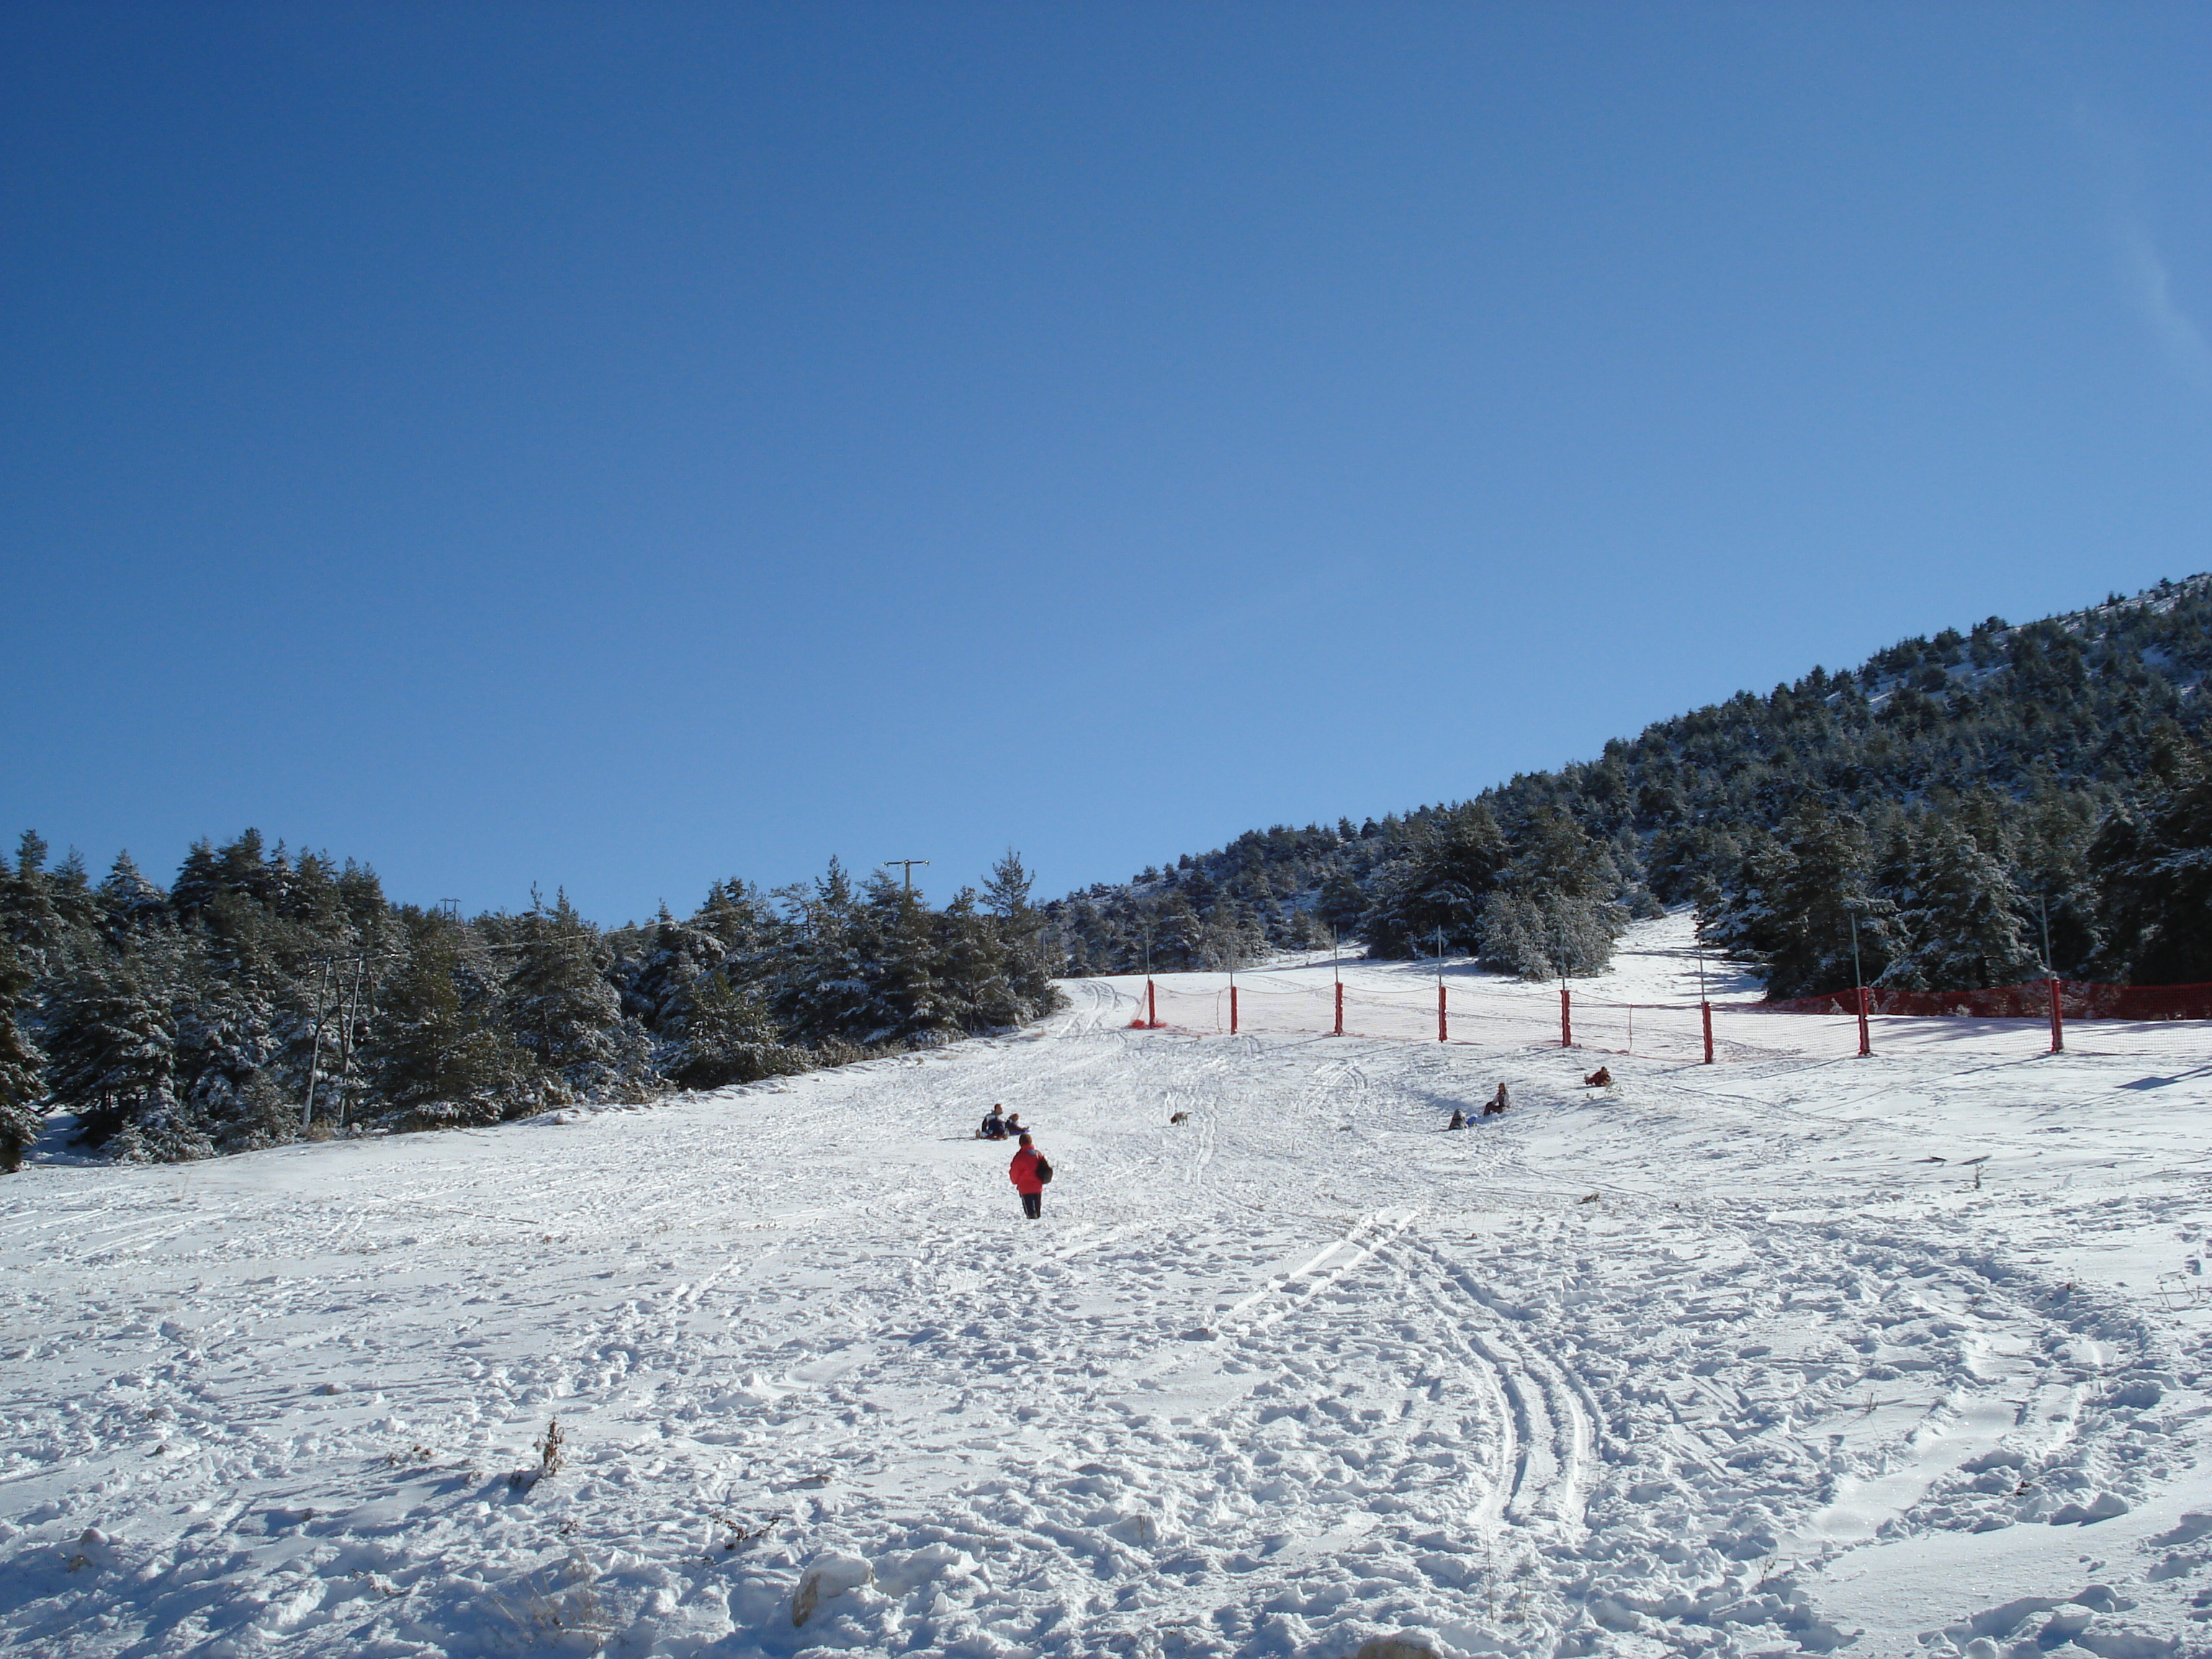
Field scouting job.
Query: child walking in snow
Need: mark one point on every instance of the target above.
(1028, 1172)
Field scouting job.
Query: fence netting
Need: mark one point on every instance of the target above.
(2154, 1022)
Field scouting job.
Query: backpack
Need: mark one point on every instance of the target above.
(1043, 1171)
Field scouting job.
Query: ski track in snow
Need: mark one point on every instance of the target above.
(1727, 1360)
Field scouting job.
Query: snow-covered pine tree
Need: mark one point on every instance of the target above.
(675, 954)
(28, 914)
(721, 1034)
(559, 1008)
(907, 1004)
(2153, 866)
(1789, 909)
(236, 1005)
(22, 1067)
(128, 905)
(1511, 936)
(818, 990)
(1957, 924)
(973, 971)
(1029, 969)
(112, 1048)
(1174, 936)
(434, 1054)
(1437, 885)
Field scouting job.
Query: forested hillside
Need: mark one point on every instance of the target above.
(264, 997)
(1954, 792)
(1958, 795)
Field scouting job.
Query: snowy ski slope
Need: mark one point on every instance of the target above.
(1908, 1353)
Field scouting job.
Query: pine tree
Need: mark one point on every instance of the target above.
(907, 1004)
(819, 990)
(558, 1006)
(724, 1035)
(1512, 936)
(1790, 909)
(974, 976)
(234, 1005)
(28, 916)
(112, 1043)
(1436, 889)
(1029, 968)
(434, 1054)
(1957, 920)
(22, 1067)
(2154, 873)
(129, 904)
(675, 955)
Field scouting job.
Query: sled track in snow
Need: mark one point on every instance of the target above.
(1553, 1425)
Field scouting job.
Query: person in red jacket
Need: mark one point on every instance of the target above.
(1028, 1172)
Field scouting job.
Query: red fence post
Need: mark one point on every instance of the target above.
(1708, 1008)
(1232, 1011)
(1151, 1006)
(1340, 1008)
(1566, 1021)
(2057, 1022)
(1866, 1039)
(1440, 1014)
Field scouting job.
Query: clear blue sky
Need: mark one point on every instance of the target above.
(622, 446)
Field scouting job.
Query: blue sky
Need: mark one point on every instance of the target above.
(622, 447)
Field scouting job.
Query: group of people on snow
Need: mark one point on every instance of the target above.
(1493, 1107)
(1031, 1170)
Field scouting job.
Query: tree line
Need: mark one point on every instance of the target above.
(264, 997)
(1959, 797)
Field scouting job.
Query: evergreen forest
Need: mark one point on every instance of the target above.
(1961, 799)
(264, 998)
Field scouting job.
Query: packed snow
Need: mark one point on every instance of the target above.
(1794, 1352)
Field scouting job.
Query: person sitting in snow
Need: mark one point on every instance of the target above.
(1496, 1104)
(1601, 1079)
(1014, 1126)
(994, 1127)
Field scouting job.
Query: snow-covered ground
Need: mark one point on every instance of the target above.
(1908, 1353)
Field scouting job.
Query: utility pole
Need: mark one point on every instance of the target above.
(907, 865)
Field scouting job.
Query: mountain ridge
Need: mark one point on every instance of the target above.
(1883, 788)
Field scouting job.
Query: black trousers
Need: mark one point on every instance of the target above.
(1033, 1205)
